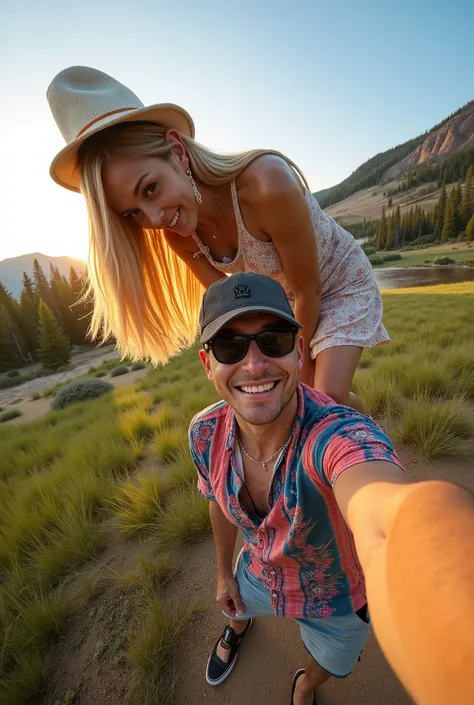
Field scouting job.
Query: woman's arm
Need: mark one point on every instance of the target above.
(200, 266)
(275, 197)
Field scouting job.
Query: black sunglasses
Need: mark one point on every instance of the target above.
(229, 348)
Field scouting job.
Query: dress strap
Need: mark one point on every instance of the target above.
(235, 203)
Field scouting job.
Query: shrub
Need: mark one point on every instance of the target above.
(100, 374)
(369, 250)
(80, 390)
(9, 415)
(428, 261)
(35, 396)
(376, 259)
(13, 373)
(392, 256)
(120, 370)
(7, 382)
(63, 368)
(138, 366)
(443, 260)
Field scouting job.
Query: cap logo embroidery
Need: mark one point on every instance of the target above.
(242, 291)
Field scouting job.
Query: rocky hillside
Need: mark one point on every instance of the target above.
(453, 134)
(458, 132)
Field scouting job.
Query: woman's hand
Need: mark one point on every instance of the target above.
(228, 596)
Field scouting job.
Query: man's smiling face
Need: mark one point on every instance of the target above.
(258, 387)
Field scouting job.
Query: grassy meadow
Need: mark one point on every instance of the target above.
(119, 466)
(460, 253)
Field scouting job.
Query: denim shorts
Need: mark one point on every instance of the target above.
(335, 643)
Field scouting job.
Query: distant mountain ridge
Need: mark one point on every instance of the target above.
(11, 269)
(454, 133)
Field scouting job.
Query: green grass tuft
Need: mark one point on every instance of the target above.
(137, 503)
(437, 429)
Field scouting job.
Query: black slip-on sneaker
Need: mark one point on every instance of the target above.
(217, 670)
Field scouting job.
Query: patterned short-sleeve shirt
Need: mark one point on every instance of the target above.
(303, 552)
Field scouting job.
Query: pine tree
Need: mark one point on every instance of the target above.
(390, 231)
(53, 346)
(470, 229)
(29, 302)
(466, 209)
(382, 231)
(41, 284)
(397, 229)
(449, 225)
(12, 318)
(439, 212)
(8, 352)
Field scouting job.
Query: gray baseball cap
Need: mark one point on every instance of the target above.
(238, 295)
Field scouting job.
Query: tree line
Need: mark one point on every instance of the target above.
(452, 169)
(452, 215)
(49, 317)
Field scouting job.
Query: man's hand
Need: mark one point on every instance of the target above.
(228, 596)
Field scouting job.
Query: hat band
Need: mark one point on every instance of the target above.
(101, 117)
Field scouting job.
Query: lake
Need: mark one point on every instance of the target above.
(398, 278)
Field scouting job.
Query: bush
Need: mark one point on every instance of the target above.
(391, 257)
(428, 261)
(80, 390)
(369, 250)
(9, 415)
(63, 368)
(138, 366)
(443, 260)
(120, 370)
(376, 259)
(101, 373)
(7, 382)
(13, 373)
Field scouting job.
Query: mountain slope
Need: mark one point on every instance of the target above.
(453, 133)
(11, 270)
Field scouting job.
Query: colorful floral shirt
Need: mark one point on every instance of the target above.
(303, 552)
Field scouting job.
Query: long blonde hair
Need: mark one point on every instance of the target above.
(143, 294)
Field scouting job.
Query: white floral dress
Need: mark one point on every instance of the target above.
(351, 304)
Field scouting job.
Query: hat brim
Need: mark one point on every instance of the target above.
(218, 323)
(63, 167)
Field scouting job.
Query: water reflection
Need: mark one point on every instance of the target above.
(397, 278)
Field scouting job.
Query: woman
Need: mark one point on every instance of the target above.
(168, 216)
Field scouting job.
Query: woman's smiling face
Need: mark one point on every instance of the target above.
(152, 192)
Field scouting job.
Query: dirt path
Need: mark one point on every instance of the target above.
(31, 410)
(81, 361)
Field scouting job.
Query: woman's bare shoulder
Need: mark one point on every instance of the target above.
(267, 176)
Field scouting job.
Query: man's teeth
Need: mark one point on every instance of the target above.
(259, 388)
(175, 219)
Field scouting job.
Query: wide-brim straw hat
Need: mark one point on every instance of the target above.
(85, 101)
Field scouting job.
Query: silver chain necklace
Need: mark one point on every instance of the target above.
(264, 462)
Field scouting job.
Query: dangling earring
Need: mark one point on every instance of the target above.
(197, 194)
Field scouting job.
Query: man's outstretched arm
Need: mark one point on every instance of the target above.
(415, 542)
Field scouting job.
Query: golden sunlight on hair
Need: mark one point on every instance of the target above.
(144, 295)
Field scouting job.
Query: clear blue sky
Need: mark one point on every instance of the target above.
(328, 83)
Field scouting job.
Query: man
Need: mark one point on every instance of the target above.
(315, 488)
